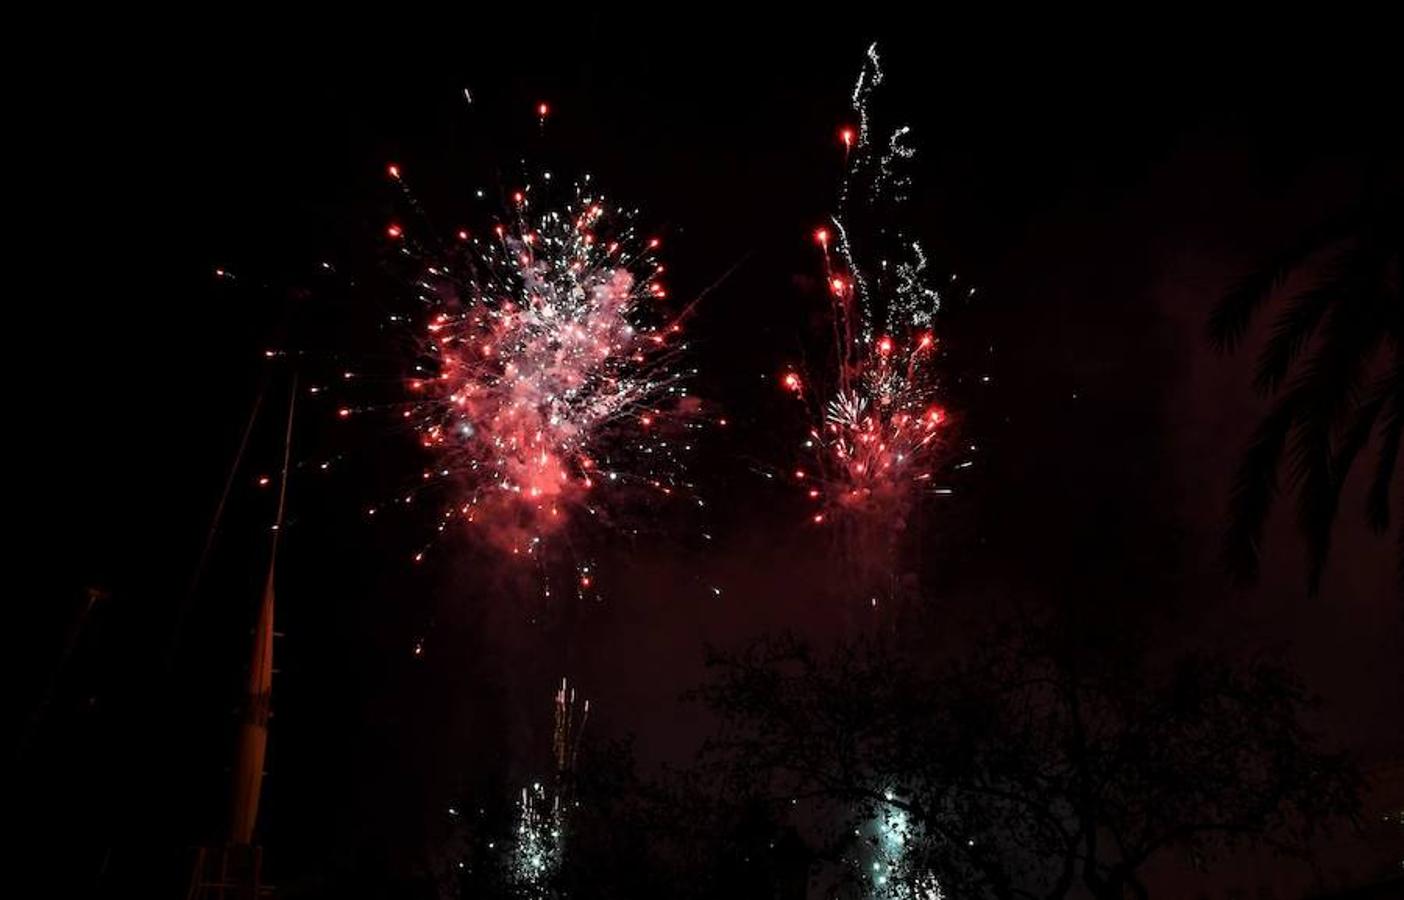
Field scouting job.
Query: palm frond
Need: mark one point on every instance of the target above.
(1255, 489)
(1231, 316)
(1362, 426)
(1321, 422)
(1296, 324)
(1377, 504)
(1330, 383)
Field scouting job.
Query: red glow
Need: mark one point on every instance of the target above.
(542, 109)
(344, 412)
(792, 381)
(838, 286)
(821, 237)
(884, 345)
(462, 235)
(394, 231)
(847, 135)
(394, 171)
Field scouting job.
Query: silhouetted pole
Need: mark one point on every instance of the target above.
(252, 744)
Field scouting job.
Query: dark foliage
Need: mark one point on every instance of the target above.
(1036, 770)
(1334, 368)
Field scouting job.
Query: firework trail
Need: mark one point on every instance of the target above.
(877, 422)
(546, 381)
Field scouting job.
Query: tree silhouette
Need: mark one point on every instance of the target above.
(1034, 770)
(1334, 369)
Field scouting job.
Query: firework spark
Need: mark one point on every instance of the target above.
(547, 371)
(878, 424)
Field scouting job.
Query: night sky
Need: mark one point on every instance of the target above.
(1101, 193)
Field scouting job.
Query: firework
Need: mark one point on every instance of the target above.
(886, 867)
(539, 843)
(878, 423)
(543, 816)
(546, 380)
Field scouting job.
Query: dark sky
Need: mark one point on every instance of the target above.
(1100, 192)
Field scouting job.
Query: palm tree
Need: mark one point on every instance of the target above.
(1334, 372)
